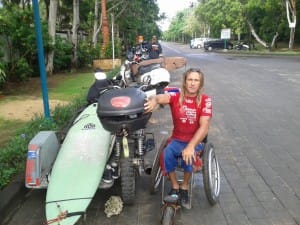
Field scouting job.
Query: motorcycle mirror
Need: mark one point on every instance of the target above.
(147, 80)
(129, 56)
(100, 76)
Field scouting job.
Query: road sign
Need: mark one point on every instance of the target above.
(225, 33)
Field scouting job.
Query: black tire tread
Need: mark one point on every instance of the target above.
(128, 178)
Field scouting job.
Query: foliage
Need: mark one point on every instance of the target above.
(13, 155)
(136, 17)
(23, 70)
(62, 54)
(107, 53)
(19, 38)
(86, 54)
(207, 18)
(131, 18)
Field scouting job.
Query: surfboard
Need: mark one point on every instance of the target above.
(169, 63)
(78, 168)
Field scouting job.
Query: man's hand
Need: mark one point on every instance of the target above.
(150, 105)
(188, 155)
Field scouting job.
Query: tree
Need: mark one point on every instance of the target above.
(291, 17)
(75, 26)
(105, 29)
(52, 33)
(96, 28)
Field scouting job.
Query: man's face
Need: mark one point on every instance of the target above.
(154, 39)
(192, 84)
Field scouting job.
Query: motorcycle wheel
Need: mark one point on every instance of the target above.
(128, 179)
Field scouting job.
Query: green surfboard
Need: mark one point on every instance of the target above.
(78, 168)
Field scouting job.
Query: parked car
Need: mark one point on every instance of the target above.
(198, 42)
(217, 44)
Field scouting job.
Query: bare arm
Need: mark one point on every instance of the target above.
(188, 154)
(155, 100)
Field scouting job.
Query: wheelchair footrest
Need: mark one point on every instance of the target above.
(171, 199)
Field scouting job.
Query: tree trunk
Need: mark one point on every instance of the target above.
(52, 32)
(105, 30)
(274, 40)
(291, 14)
(96, 19)
(257, 38)
(292, 38)
(75, 27)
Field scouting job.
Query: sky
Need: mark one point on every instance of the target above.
(170, 8)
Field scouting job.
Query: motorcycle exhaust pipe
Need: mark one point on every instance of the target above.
(148, 161)
(148, 168)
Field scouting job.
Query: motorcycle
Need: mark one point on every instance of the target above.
(106, 141)
(150, 72)
(242, 46)
(138, 53)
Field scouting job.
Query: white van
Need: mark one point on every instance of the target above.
(198, 42)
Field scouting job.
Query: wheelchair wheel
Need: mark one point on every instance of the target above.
(156, 173)
(211, 174)
(168, 216)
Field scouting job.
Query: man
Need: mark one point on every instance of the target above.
(154, 48)
(191, 113)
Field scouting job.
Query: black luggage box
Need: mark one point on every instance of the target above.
(122, 109)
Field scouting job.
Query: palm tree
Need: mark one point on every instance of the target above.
(105, 30)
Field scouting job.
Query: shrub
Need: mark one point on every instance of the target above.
(107, 53)
(23, 70)
(62, 54)
(86, 54)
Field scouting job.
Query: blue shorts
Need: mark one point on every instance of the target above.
(172, 155)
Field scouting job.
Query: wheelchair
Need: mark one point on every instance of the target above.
(210, 175)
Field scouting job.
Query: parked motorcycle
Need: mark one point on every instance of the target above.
(242, 46)
(138, 53)
(105, 141)
(150, 72)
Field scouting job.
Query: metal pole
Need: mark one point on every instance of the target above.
(39, 41)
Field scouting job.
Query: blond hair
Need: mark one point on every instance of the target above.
(183, 85)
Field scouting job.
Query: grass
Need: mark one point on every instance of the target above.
(60, 87)
(71, 86)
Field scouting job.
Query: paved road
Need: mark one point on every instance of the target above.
(256, 133)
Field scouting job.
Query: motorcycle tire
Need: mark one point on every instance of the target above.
(128, 179)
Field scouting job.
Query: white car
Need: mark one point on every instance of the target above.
(198, 42)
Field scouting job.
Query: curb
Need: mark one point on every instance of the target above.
(11, 197)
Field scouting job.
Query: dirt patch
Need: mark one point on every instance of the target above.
(25, 110)
(32, 102)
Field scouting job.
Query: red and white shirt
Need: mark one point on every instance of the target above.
(186, 117)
